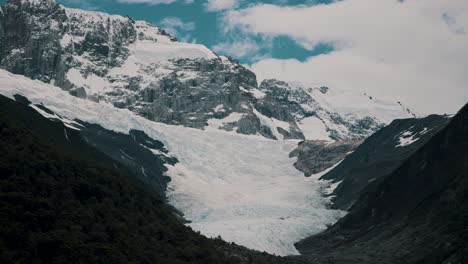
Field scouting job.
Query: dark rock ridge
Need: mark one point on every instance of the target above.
(416, 214)
(136, 65)
(144, 157)
(315, 156)
(147, 163)
(381, 154)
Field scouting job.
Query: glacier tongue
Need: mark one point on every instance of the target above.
(243, 188)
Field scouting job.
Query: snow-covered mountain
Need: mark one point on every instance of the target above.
(244, 188)
(327, 113)
(138, 66)
(135, 93)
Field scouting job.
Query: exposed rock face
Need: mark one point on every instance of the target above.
(416, 214)
(30, 34)
(381, 154)
(315, 156)
(138, 66)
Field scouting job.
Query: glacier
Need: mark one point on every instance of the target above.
(242, 188)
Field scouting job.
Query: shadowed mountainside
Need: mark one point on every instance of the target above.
(381, 154)
(416, 214)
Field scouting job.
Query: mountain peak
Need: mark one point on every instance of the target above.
(139, 66)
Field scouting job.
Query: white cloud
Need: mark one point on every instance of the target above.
(244, 46)
(177, 23)
(220, 5)
(176, 27)
(237, 48)
(414, 51)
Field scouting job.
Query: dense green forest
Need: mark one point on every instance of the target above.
(61, 201)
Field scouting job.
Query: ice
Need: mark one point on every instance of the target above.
(355, 104)
(314, 128)
(258, 94)
(243, 188)
(91, 16)
(242, 88)
(92, 83)
(152, 46)
(246, 190)
(219, 108)
(66, 40)
(68, 123)
(334, 107)
(150, 52)
(218, 123)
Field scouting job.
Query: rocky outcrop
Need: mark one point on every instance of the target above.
(42, 40)
(315, 156)
(30, 39)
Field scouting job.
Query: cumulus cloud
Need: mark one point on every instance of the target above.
(220, 5)
(413, 51)
(174, 23)
(177, 27)
(238, 49)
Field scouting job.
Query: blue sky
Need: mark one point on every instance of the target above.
(203, 26)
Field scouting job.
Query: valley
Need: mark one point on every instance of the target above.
(211, 164)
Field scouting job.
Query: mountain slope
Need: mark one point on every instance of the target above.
(416, 214)
(380, 155)
(223, 182)
(61, 200)
(138, 66)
